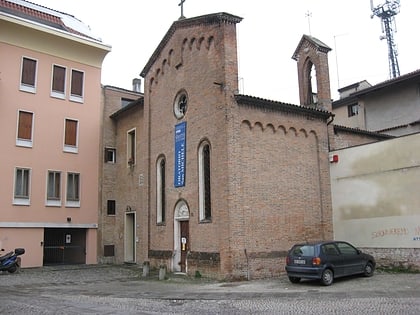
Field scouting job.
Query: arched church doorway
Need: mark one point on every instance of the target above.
(181, 236)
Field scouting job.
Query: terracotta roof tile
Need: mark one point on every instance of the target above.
(40, 16)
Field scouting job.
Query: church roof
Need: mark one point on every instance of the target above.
(375, 134)
(34, 13)
(134, 104)
(319, 45)
(280, 106)
(413, 123)
(214, 18)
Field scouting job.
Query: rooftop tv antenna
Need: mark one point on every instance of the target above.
(386, 12)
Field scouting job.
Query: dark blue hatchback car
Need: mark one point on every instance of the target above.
(326, 261)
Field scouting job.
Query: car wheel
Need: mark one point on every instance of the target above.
(368, 272)
(12, 269)
(294, 279)
(327, 277)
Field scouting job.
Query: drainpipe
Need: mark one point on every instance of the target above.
(331, 119)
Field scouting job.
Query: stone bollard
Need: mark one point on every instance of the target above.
(146, 268)
(162, 272)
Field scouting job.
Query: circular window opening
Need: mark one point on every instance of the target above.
(181, 105)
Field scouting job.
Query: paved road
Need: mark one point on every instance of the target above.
(123, 290)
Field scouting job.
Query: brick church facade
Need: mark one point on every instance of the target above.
(207, 180)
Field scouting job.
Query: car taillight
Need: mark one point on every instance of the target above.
(316, 261)
(287, 260)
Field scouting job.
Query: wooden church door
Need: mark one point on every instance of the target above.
(184, 244)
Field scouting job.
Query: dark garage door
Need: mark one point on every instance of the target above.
(64, 246)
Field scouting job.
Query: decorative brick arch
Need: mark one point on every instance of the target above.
(312, 52)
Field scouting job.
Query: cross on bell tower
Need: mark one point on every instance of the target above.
(181, 4)
(308, 14)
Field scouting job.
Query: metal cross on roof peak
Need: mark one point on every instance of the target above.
(181, 4)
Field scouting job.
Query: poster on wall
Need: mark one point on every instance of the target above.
(180, 149)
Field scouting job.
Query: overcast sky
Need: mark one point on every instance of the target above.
(267, 38)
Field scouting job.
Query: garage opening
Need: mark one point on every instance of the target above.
(64, 246)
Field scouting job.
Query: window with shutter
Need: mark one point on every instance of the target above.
(76, 92)
(70, 135)
(24, 132)
(58, 82)
(28, 75)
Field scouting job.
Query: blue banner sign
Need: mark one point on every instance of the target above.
(180, 150)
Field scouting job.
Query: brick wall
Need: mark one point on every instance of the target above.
(118, 181)
(281, 191)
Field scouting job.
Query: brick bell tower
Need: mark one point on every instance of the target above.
(311, 56)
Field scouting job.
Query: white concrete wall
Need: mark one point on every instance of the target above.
(375, 194)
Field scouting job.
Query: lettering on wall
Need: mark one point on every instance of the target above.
(397, 232)
(400, 231)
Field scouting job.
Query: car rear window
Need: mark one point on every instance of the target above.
(303, 250)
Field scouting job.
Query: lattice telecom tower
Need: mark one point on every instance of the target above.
(387, 12)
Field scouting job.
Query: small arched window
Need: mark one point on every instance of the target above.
(204, 181)
(311, 80)
(160, 190)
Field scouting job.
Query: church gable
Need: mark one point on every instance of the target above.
(307, 42)
(178, 54)
(184, 41)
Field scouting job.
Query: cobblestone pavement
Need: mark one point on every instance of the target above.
(108, 289)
